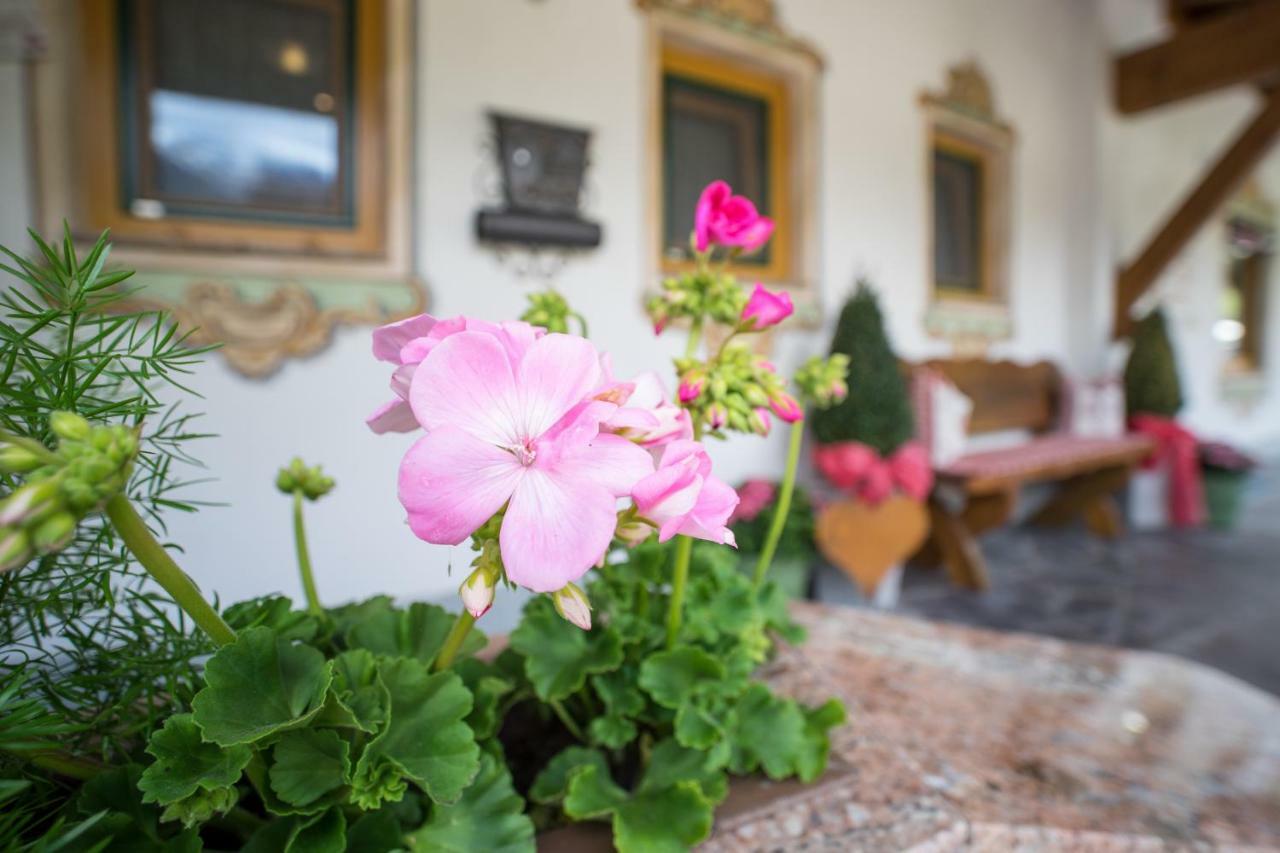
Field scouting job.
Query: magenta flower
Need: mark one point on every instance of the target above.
(691, 386)
(728, 220)
(760, 421)
(510, 422)
(683, 497)
(767, 308)
(754, 497)
(786, 407)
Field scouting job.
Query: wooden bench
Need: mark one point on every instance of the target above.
(978, 491)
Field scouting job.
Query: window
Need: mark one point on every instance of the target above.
(1241, 321)
(957, 220)
(220, 118)
(719, 122)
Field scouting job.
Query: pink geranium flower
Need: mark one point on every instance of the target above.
(648, 417)
(511, 422)
(729, 220)
(754, 496)
(683, 497)
(406, 343)
(767, 308)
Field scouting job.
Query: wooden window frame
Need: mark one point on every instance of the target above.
(98, 155)
(958, 145)
(725, 74)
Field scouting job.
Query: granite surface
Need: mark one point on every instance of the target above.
(967, 739)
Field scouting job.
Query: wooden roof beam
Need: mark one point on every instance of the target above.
(1218, 184)
(1236, 47)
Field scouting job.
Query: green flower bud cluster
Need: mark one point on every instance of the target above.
(705, 293)
(734, 391)
(297, 476)
(822, 381)
(90, 465)
(549, 310)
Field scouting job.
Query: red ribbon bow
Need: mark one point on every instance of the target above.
(855, 467)
(1177, 452)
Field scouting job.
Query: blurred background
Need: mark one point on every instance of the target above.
(1016, 178)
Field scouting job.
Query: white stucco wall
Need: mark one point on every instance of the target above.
(580, 61)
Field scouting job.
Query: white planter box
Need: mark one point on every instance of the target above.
(886, 594)
(1149, 499)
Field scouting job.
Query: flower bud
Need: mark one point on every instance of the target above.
(633, 532)
(786, 407)
(477, 591)
(572, 605)
(15, 459)
(766, 308)
(298, 477)
(717, 415)
(760, 421)
(29, 502)
(69, 426)
(691, 385)
(54, 532)
(15, 548)
(755, 395)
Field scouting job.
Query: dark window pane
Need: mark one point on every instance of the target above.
(711, 134)
(957, 221)
(239, 108)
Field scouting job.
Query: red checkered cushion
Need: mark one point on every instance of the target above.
(1043, 452)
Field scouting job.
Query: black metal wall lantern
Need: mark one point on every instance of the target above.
(542, 168)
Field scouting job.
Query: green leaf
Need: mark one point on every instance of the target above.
(201, 806)
(552, 783)
(416, 632)
(307, 764)
(618, 692)
(323, 833)
(612, 731)
(425, 736)
(275, 612)
(558, 656)
(671, 820)
(591, 793)
(675, 676)
(258, 686)
(357, 698)
(696, 727)
(489, 816)
(186, 764)
(818, 722)
(769, 733)
(376, 832)
(487, 687)
(670, 763)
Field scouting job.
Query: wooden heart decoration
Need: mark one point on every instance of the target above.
(867, 541)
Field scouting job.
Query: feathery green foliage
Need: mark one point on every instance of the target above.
(1151, 384)
(877, 411)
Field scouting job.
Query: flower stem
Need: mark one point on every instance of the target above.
(784, 504)
(679, 577)
(156, 560)
(569, 724)
(461, 628)
(695, 338)
(304, 556)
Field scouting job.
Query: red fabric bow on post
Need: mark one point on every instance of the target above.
(1177, 451)
(855, 467)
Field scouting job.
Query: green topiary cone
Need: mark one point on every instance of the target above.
(1151, 384)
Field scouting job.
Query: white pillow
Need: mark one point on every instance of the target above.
(1095, 408)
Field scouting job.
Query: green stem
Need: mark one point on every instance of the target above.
(784, 504)
(566, 719)
(304, 556)
(66, 765)
(461, 628)
(695, 338)
(679, 576)
(156, 560)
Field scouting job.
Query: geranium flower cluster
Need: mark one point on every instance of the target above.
(531, 443)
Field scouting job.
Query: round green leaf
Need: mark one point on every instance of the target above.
(489, 816)
(558, 656)
(185, 763)
(553, 782)
(258, 686)
(675, 676)
(417, 631)
(671, 820)
(307, 764)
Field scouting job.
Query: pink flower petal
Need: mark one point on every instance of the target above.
(389, 339)
(393, 416)
(614, 463)
(555, 530)
(556, 374)
(451, 483)
(467, 382)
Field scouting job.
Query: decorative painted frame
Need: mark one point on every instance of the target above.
(743, 34)
(1245, 388)
(964, 118)
(264, 302)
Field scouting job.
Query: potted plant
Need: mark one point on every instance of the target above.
(866, 450)
(138, 714)
(1226, 472)
(1167, 490)
(793, 561)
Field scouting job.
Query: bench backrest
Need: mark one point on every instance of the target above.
(1005, 395)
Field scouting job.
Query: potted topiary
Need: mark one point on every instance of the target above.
(1167, 490)
(1226, 472)
(866, 450)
